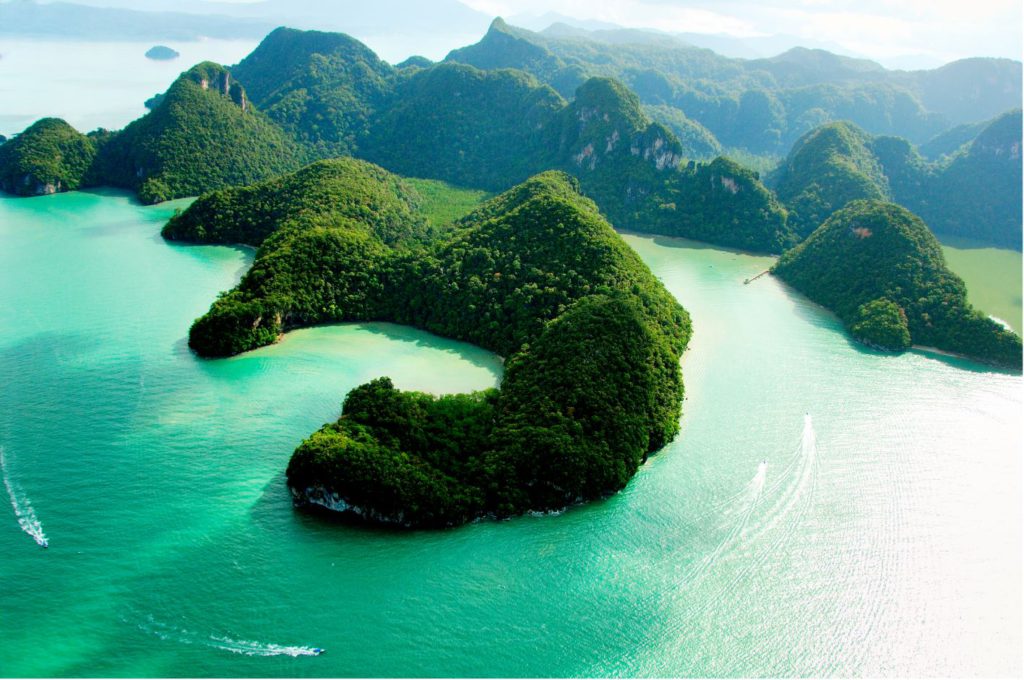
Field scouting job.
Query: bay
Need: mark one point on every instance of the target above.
(826, 510)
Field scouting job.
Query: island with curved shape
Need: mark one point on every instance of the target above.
(879, 268)
(592, 340)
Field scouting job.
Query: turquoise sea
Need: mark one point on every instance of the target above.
(826, 510)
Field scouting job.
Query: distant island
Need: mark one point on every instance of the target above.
(161, 53)
(592, 339)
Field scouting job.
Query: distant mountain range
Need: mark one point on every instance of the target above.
(760, 106)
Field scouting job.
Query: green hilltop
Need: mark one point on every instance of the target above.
(321, 88)
(48, 157)
(202, 135)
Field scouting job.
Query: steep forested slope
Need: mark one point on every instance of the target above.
(48, 157)
(202, 135)
(879, 268)
(975, 193)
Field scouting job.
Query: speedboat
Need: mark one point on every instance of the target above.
(318, 651)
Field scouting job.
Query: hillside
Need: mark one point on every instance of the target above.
(505, 126)
(826, 169)
(203, 134)
(465, 126)
(978, 195)
(761, 105)
(322, 88)
(48, 157)
(880, 269)
(535, 274)
(974, 194)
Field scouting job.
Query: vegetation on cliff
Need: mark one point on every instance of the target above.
(592, 341)
(203, 134)
(322, 88)
(504, 126)
(826, 169)
(880, 269)
(760, 106)
(976, 193)
(48, 157)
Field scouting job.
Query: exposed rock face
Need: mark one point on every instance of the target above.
(332, 500)
(604, 115)
(220, 81)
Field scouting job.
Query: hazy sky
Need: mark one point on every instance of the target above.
(942, 29)
(890, 31)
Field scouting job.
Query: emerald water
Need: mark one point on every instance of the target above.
(993, 278)
(881, 537)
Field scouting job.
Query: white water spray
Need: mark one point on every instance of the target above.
(22, 507)
(184, 636)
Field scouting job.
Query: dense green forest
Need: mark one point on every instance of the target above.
(465, 126)
(202, 135)
(48, 157)
(761, 105)
(322, 88)
(880, 269)
(505, 126)
(973, 193)
(592, 340)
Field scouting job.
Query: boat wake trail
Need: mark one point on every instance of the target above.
(749, 498)
(184, 636)
(22, 507)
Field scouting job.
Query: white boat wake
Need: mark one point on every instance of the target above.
(747, 500)
(22, 507)
(245, 647)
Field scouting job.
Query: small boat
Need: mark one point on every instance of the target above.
(318, 651)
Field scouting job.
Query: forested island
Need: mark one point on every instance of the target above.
(592, 340)
(879, 268)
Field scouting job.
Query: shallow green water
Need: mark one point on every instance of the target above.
(884, 539)
(993, 278)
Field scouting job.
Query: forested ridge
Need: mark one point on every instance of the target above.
(974, 192)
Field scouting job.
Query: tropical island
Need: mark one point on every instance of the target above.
(879, 268)
(592, 340)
